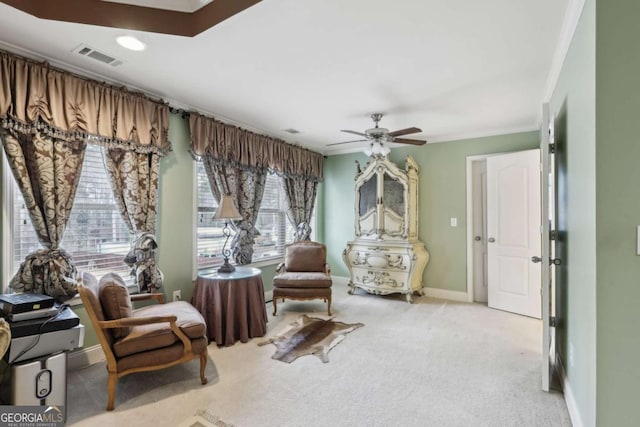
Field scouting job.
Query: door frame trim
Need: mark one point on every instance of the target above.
(469, 171)
(469, 221)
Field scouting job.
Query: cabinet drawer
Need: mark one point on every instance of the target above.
(379, 259)
(392, 281)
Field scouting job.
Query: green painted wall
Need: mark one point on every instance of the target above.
(618, 211)
(573, 104)
(175, 212)
(442, 195)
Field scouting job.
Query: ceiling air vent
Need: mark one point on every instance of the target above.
(90, 52)
(292, 131)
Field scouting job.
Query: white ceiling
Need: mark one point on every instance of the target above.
(454, 68)
(177, 5)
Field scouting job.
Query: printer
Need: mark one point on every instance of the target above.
(35, 364)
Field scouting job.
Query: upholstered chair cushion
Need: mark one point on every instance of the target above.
(115, 302)
(302, 293)
(90, 283)
(158, 335)
(161, 356)
(305, 256)
(302, 280)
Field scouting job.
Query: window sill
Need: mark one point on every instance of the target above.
(74, 302)
(257, 264)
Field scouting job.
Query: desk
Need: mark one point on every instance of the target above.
(232, 304)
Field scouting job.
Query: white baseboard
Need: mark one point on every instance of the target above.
(268, 296)
(85, 357)
(446, 294)
(340, 280)
(569, 398)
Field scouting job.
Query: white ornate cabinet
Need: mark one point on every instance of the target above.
(386, 256)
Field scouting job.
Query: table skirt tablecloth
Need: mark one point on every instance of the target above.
(234, 309)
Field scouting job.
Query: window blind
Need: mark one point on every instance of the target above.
(272, 223)
(96, 237)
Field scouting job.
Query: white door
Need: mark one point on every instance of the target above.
(479, 200)
(513, 232)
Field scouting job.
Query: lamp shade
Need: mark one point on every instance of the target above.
(227, 209)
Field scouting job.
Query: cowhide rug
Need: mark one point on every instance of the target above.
(309, 335)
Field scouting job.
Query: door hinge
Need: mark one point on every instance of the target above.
(552, 148)
(552, 235)
(552, 321)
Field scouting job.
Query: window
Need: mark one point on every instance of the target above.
(96, 237)
(275, 229)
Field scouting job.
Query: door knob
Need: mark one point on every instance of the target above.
(491, 240)
(536, 259)
(556, 261)
(477, 238)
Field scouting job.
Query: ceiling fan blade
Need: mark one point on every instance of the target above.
(409, 141)
(354, 132)
(347, 142)
(406, 131)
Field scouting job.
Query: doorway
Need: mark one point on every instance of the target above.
(503, 230)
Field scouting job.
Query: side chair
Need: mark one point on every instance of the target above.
(304, 274)
(153, 337)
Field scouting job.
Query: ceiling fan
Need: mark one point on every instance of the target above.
(379, 135)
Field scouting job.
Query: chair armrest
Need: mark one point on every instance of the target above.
(136, 321)
(145, 297)
(280, 268)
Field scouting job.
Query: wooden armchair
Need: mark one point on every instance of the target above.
(304, 274)
(147, 339)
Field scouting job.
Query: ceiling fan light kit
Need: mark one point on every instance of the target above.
(377, 136)
(377, 148)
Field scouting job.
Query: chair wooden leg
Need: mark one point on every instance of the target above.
(275, 306)
(203, 365)
(111, 390)
(329, 305)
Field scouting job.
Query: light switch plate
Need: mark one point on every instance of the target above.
(454, 222)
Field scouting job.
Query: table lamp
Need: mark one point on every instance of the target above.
(226, 211)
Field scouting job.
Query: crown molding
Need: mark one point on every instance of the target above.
(568, 29)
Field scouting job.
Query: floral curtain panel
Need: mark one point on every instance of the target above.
(47, 172)
(300, 197)
(47, 116)
(134, 179)
(247, 188)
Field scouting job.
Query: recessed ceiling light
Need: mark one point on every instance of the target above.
(131, 43)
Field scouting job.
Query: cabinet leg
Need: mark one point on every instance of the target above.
(409, 297)
(352, 288)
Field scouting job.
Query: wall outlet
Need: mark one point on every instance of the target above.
(453, 222)
(177, 295)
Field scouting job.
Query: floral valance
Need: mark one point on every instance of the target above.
(239, 147)
(37, 98)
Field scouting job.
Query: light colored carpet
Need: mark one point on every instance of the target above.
(432, 363)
